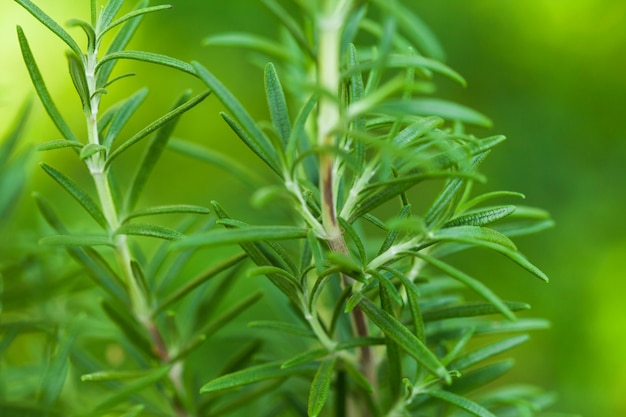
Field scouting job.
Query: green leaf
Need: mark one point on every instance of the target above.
(152, 155)
(394, 360)
(305, 357)
(283, 327)
(488, 196)
(461, 402)
(170, 209)
(250, 41)
(486, 352)
(121, 39)
(77, 73)
(40, 86)
(481, 217)
(59, 144)
(149, 230)
(129, 327)
(68, 240)
(404, 338)
(244, 235)
(122, 115)
(90, 150)
(412, 295)
(277, 104)
(290, 24)
(149, 57)
(245, 127)
(491, 239)
(122, 393)
(214, 158)
(200, 279)
(480, 377)
(134, 13)
(434, 107)
(79, 195)
(156, 125)
(231, 314)
(469, 309)
(50, 24)
(115, 375)
(320, 387)
(254, 374)
(89, 31)
(56, 372)
(270, 270)
(480, 288)
(8, 142)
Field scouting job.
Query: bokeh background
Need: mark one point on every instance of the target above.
(552, 76)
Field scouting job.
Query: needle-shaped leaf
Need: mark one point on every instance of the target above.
(170, 209)
(149, 230)
(108, 14)
(461, 402)
(77, 73)
(78, 194)
(481, 217)
(114, 375)
(469, 309)
(486, 352)
(69, 240)
(121, 39)
(480, 377)
(129, 327)
(245, 127)
(134, 13)
(152, 154)
(283, 327)
(89, 31)
(244, 235)
(59, 144)
(320, 387)
(290, 24)
(480, 288)
(305, 357)
(491, 239)
(250, 41)
(200, 279)
(149, 57)
(277, 104)
(435, 107)
(42, 90)
(56, 372)
(50, 24)
(138, 385)
(122, 115)
(8, 142)
(254, 374)
(188, 105)
(204, 154)
(394, 360)
(404, 338)
(412, 295)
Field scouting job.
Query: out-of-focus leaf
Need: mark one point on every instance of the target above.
(244, 235)
(282, 327)
(136, 386)
(305, 357)
(320, 387)
(134, 13)
(122, 115)
(461, 402)
(54, 377)
(250, 41)
(487, 352)
(256, 373)
(435, 107)
(470, 309)
(68, 240)
(170, 209)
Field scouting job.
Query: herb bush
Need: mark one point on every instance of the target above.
(376, 177)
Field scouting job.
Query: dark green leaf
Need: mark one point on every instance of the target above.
(283, 327)
(175, 208)
(56, 372)
(469, 309)
(305, 357)
(50, 24)
(127, 390)
(290, 24)
(461, 402)
(129, 326)
(156, 125)
(250, 41)
(486, 352)
(404, 338)
(481, 217)
(254, 374)
(320, 387)
(244, 235)
(394, 360)
(478, 378)
(40, 87)
(231, 314)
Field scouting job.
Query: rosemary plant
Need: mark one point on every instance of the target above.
(378, 179)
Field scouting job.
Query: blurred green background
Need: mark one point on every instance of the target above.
(552, 76)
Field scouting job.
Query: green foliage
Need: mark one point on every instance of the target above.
(373, 312)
